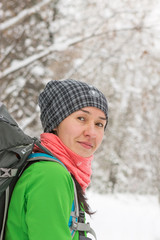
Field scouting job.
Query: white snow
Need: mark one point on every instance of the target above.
(23, 14)
(125, 217)
(38, 71)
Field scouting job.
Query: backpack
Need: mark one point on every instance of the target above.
(15, 154)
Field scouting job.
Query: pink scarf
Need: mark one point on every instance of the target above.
(79, 166)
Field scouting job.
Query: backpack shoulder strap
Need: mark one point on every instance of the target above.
(43, 156)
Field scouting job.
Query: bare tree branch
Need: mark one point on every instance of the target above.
(9, 49)
(29, 60)
(136, 28)
(22, 15)
(58, 47)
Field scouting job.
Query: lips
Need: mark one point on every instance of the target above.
(86, 145)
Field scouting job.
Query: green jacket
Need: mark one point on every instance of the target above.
(41, 204)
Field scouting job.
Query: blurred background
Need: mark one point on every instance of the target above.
(114, 45)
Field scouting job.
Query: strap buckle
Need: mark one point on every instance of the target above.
(7, 172)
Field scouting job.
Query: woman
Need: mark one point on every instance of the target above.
(74, 116)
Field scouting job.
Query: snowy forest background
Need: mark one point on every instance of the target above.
(114, 45)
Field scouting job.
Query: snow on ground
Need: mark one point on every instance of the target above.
(125, 217)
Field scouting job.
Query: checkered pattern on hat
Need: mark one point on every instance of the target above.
(61, 98)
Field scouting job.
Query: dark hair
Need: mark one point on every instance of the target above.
(82, 199)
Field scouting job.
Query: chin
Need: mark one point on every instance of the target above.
(85, 155)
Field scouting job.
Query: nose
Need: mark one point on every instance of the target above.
(90, 130)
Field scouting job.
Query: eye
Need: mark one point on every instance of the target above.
(81, 118)
(99, 124)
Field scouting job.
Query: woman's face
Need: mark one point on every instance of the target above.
(83, 130)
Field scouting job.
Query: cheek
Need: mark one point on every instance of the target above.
(67, 133)
(100, 138)
(71, 131)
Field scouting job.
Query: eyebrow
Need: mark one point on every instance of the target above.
(103, 118)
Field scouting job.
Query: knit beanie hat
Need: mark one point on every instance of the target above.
(59, 99)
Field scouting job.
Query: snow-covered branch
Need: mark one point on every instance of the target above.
(55, 47)
(22, 15)
(136, 28)
(21, 64)
(8, 51)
